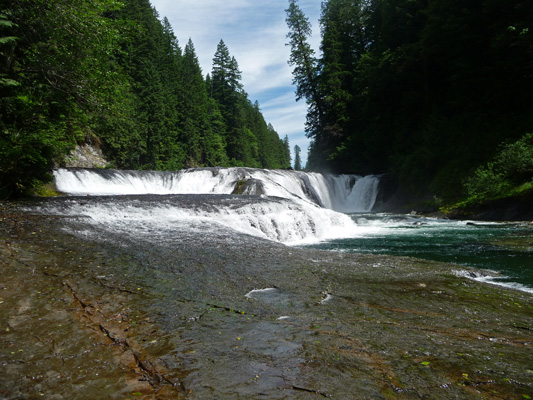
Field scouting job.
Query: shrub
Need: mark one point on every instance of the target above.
(515, 160)
(512, 166)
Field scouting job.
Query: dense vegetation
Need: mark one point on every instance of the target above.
(509, 172)
(112, 74)
(426, 90)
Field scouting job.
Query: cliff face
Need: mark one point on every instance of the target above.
(86, 156)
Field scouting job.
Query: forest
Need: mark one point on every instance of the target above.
(437, 94)
(112, 74)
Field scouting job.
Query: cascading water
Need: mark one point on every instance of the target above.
(344, 193)
(291, 207)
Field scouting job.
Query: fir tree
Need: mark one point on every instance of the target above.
(410, 87)
(305, 72)
(225, 79)
(286, 151)
(194, 106)
(297, 159)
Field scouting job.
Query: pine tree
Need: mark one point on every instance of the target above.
(305, 72)
(344, 42)
(286, 151)
(112, 74)
(297, 159)
(194, 107)
(411, 86)
(220, 79)
(227, 91)
(215, 143)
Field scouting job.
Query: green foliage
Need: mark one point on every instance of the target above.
(44, 190)
(423, 90)
(249, 140)
(51, 83)
(286, 150)
(113, 74)
(515, 160)
(306, 68)
(512, 167)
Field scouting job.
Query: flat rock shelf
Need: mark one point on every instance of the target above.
(94, 315)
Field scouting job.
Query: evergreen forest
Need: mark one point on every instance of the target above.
(438, 94)
(112, 74)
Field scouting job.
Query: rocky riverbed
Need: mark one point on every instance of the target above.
(87, 314)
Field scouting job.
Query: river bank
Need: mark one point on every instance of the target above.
(514, 208)
(395, 199)
(87, 314)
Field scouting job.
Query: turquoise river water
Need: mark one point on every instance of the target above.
(506, 248)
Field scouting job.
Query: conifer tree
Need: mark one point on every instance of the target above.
(410, 87)
(56, 82)
(225, 78)
(222, 90)
(194, 106)
(305, 72)
(286, 152)
(297, 159)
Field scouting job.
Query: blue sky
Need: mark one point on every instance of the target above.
(255, 33)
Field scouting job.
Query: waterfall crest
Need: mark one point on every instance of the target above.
(291, 207)
(343, 193)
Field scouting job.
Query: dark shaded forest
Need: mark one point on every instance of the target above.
(438, 94)
(112, 74)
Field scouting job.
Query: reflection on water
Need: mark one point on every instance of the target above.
(503, 247)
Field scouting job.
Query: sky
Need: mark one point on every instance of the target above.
(255, 33)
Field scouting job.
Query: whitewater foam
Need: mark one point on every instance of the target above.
(343, 193)
(275, 219)
(293, 207)
(492, 278)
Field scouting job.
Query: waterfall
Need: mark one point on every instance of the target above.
(162, 218)
(343, 193)
(291, 207)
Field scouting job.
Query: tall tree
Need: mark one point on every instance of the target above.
(297, 159)
(344, 42)
(287, 151)
(225, 75)
(305, 72)
(194, 106)
(410, 87)
(112, 74)
(227, 91)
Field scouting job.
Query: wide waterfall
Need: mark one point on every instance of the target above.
(291, 207)
(343, 193)
(331, 212)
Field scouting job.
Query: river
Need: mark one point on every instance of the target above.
(295, 208)
(212, 295)
(502, 248)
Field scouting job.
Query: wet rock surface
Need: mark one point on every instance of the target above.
(204, 315)
(86, 156)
